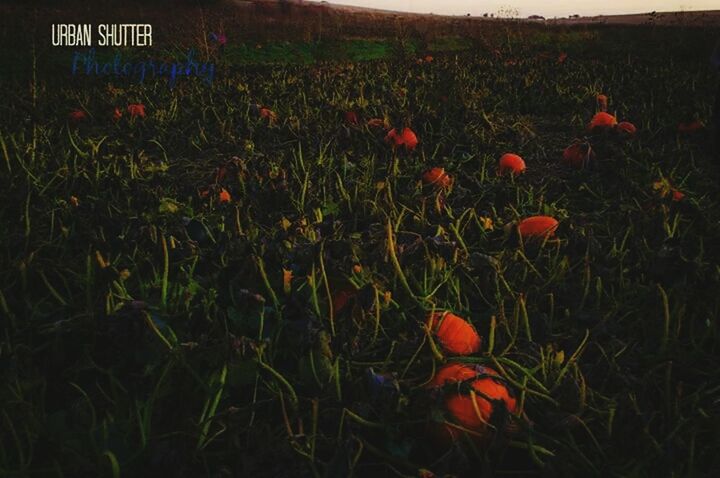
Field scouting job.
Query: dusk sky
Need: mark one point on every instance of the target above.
(548, 8)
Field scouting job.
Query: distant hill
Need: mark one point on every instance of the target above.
(706, 18)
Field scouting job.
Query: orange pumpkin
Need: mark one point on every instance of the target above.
(602, 102)
(224, 196)
(578, 155)
(602, 121)
(409, 139)
(473, 411)
(511, 163)
(452, 372)
(136, 109)
(406, 138)
(537, 226)
(456, 336)
(463, 410)
(626, 128)
(436, 177)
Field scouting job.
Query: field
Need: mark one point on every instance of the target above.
(235, 279)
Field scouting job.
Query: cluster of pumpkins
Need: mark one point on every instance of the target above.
(436, 177)
(578, 155)
(533, 227)
(477, 397)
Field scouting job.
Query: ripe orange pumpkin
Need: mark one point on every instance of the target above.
(406, 138)
(456, 336)
(473, 411)
(578, 155)
(452, 372)
(626, 128)
(136, 109)
(462, 408)
(409, 139)
(511, 163)
(224, 196)
(602, 121)
(436, 177)
(538, 226)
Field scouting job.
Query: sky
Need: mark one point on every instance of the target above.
(547, 8)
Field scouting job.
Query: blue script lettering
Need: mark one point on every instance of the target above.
(89, 64)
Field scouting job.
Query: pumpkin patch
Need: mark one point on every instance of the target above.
(360, 244)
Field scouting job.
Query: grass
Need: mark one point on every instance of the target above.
(286, 52)
(306, 53)
(150, 329)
